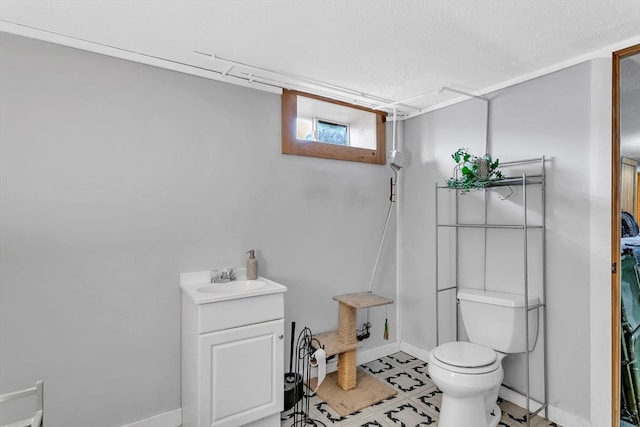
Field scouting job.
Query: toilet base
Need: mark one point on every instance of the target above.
(468, 417)
(494, 416)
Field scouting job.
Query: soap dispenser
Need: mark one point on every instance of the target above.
(252, 265)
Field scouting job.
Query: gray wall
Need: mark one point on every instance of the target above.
(551, 116)
(114, 178)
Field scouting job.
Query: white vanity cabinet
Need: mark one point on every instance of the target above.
(232, 356)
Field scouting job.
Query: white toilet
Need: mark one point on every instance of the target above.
(469, 374)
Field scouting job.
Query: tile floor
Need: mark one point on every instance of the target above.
(416, 404)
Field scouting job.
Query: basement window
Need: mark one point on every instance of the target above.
(320, 130)
(321, 127)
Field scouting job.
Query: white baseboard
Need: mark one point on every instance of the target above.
(367, 356)
(415, 351)
(557, 415)
(168, 419)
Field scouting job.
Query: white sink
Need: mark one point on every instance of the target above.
(196, 285)
(232, 287)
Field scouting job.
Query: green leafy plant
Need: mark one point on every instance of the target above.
(472, 172)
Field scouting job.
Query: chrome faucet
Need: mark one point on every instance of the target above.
(223, 276)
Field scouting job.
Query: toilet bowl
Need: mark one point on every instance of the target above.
(469, 376)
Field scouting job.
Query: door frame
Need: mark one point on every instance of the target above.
(615, 231)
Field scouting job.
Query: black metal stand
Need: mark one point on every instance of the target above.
(306, 345)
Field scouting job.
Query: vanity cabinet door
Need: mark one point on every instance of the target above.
(241, 374)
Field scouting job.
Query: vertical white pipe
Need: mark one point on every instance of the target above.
(393, 138)
(398, 195)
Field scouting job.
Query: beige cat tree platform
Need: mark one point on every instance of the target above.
(350, 389)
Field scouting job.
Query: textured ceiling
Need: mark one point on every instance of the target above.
(381, 51)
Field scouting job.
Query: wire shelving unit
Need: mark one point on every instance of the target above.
(524, 225)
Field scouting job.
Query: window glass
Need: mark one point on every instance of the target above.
(332, 133)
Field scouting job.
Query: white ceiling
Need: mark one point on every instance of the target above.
(374, 52)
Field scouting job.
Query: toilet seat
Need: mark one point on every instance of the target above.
(465, 358)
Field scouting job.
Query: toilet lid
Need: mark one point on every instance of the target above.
(464, 354)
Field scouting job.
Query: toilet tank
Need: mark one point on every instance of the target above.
(496, 319)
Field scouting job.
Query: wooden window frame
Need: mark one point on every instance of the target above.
(292, 145)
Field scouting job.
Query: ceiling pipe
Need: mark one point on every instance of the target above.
(471, 95)
(413, 98)
(288, 80)
(283, 80)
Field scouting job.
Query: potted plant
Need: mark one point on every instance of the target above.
(472, 171)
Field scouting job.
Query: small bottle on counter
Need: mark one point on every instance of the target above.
(252, 265)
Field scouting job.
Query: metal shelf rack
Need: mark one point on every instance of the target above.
(523, 225)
